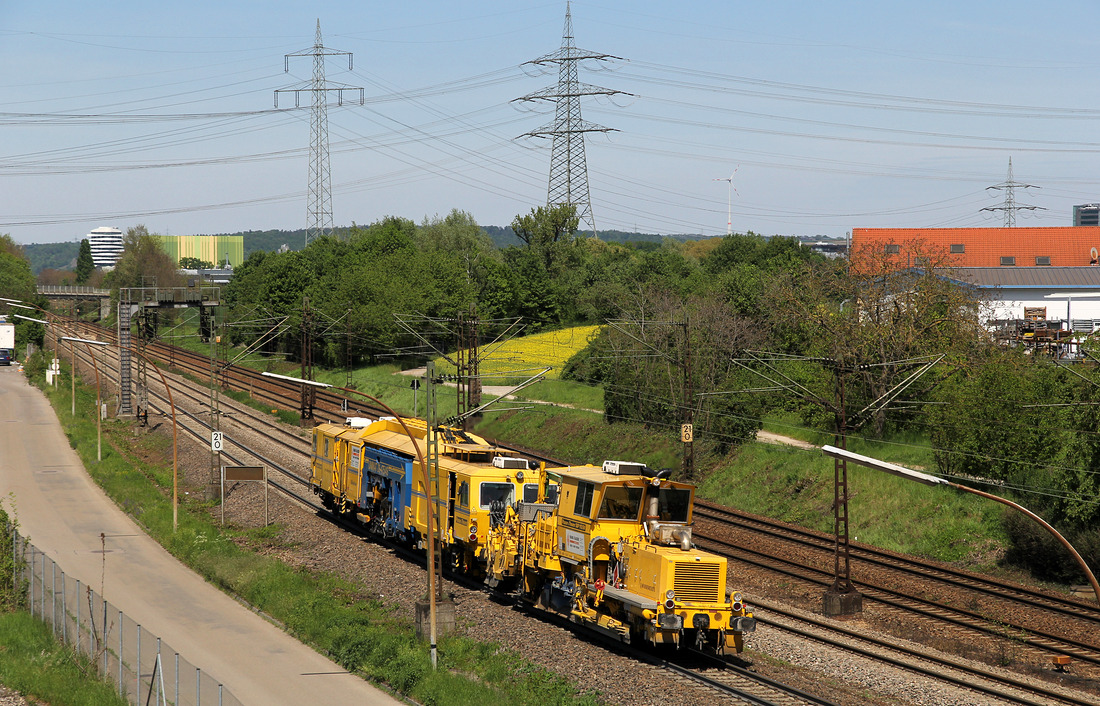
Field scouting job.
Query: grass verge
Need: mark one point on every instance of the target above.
(32, 661)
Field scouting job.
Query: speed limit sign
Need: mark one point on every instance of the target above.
(687, 434)
(216, 440)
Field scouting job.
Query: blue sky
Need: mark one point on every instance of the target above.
(834, 115)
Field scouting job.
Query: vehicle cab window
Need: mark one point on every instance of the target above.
(674, 504)
(491, 492)
(585, 493)
(621, 503)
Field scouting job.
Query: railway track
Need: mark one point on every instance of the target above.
(968, 676)
(987, 585)
(285, 394)
(1006, 622)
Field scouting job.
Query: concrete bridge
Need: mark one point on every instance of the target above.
(75, 294)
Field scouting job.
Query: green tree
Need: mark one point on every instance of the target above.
(18, 282)
(546, 228)
(143, 263)
(16, 278)
(194, 263)
(669, 355)
(865, 329)
(84, 264)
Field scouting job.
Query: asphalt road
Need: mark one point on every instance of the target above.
(63, 513)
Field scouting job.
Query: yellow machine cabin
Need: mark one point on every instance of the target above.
(616, 555)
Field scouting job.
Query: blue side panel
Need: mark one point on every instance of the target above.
(393, 473)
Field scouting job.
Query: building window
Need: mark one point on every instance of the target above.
(1008, 261)
(958, 248)
(1042, 259)
(922, 262)
(893, 249)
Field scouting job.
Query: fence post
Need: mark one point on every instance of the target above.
(64, 612)
(177, 699)
(14, 561)
(78, 616)
(138, 662)
(106, 665)
(53, 597)
(198, 687)
(30, 592)
(120, 679)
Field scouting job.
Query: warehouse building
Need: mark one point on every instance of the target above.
(218, 250)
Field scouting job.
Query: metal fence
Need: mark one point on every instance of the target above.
(145, 669)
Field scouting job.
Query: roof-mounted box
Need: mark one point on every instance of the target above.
(623, 468)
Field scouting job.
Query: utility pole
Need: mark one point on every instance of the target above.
(1010, 207)
(309, 392)
(319, 210)
(687, 431)
(568, 170)
(468, 368)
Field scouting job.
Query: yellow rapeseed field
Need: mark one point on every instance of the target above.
(521, 357)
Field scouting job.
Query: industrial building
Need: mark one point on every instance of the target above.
(1050, 273)
(218, 250)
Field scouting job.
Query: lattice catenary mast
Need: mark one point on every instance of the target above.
(1010, 206)
(319, 210)
(568, 171)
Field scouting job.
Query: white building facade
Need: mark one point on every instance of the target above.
(106, 246)
(1068, 297)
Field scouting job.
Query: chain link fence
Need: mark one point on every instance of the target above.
(145, 669)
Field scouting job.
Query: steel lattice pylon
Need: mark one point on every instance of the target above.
(319, 209)
(1010, 206)
(568, 170)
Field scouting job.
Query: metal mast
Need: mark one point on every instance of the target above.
(1010, 207)
(319, 209)
(568, 170)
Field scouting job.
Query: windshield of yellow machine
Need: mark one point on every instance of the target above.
(621, 503)
(674, 504)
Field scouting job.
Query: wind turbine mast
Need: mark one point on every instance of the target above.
(729, 201)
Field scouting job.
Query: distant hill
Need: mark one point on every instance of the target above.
(57, 256)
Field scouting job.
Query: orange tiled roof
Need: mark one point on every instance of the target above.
(1066, 246)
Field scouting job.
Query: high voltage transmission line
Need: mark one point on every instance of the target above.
(319, 210)
(568, 171)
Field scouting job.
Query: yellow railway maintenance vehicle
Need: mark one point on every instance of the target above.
(368, 471)
(615, 554)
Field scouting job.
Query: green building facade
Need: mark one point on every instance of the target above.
(217, 249)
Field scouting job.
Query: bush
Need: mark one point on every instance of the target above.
(1034, 548)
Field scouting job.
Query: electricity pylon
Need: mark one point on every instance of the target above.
(1010, 206)
(568, 170)
(319, 209)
